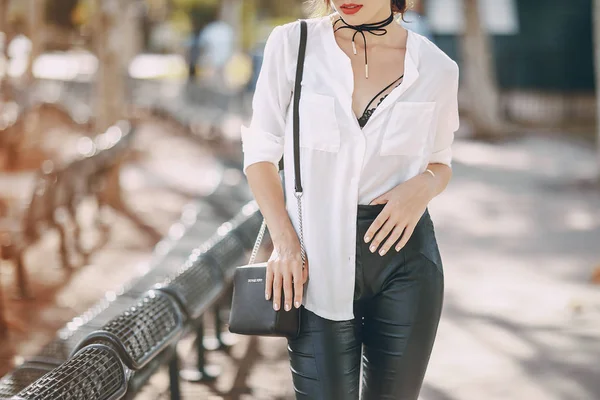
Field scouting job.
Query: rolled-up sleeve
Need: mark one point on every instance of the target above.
(262, 140)
(448, 120)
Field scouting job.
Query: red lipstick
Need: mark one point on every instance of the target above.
(350, 8)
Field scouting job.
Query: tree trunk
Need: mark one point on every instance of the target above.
(248, 25)
(110, 78)
(480, 74)
(4, 40)
(3, 14)
(596, 14)
(131, 26)
(4, 28)
(36, 28)
(59, 13)
(231, 12)
(4, 5)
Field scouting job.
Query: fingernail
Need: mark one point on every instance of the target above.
(367, 238)
(297, 304)
(382, 252)
(275, 306)
(287, 307)
(397, 248)
(373, 248)
(266, 296)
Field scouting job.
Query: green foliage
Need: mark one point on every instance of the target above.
(256, 14)
(191, 4)
(82, 14)
(280, 8)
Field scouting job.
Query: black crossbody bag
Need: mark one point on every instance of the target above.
(251, 313)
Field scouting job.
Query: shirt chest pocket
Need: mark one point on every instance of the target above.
(409, 129)
(319, 129)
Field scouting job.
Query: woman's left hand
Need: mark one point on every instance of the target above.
(405, 204)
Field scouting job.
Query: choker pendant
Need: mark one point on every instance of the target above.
(377, 29)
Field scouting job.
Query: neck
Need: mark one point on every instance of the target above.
(383, 14)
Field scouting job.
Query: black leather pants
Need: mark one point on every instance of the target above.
(398, 301)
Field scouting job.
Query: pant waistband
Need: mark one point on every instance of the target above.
(370, 212)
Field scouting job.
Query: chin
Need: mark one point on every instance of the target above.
(355, 19)
(361, 17)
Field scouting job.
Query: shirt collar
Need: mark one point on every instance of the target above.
(411, 69)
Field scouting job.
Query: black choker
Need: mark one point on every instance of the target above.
(377, 28)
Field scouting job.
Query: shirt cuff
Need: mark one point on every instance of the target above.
(259, 146)
(442, 157)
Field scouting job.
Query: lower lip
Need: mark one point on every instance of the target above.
(350, 11)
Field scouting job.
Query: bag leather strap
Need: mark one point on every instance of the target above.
(296, 138)
(297, 90)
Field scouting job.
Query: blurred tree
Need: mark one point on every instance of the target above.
(597, 67)
(4, 40)
(258, 13)
(35, 31)
(248, 29)
(288, 9)
(199, 13)
(131, 28)
(479, 74)
(60, 12)
(4, 4)
(110, 77)
(5, 23)
(146, 24)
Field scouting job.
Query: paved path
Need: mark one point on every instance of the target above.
(520, 234)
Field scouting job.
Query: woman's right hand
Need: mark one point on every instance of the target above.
(285, 271)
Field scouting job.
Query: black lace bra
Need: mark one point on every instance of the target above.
(362, 121)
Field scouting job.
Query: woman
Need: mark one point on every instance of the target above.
(378, 113)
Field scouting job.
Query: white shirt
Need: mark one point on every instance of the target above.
(343, 165)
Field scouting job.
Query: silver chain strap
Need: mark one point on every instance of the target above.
(258, 241)
(302, 249)
(261, 234)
